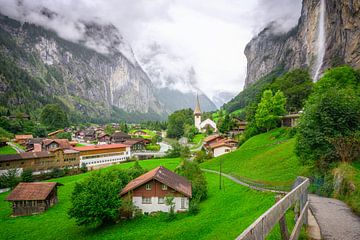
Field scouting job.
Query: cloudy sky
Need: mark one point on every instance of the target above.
(206, 36)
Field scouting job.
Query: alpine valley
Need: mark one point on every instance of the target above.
(97, 78)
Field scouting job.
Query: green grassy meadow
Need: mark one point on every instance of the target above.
(7, 150)
(267, 158)
(224, 215)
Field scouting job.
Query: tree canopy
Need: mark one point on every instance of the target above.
(331, 113)
(177, 122)
(269, 110)
(54, 117)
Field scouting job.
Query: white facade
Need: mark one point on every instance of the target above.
(181, 204)
(206, 123)
(197, 120)
(106, 158)
(218, 151)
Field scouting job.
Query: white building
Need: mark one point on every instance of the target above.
(202, 126)
(103, 154)
(149, 191)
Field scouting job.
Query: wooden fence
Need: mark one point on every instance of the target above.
(297, 197)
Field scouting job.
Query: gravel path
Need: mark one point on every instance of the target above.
(335, 218)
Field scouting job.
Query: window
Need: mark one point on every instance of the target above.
(161, 200)
(148, 186)
(146, 200)
(164, 187)
(183, 202)
(227, 150)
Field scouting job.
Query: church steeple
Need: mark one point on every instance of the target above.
(197, 114)
(197, 110)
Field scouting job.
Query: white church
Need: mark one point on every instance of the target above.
(202, 125)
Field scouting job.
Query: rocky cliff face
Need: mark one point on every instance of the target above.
(81, 78)
(300, 47)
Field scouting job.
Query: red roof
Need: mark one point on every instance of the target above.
(31, 191)
(100, 147)
(164, 176)
(23, 137)
(211, 138)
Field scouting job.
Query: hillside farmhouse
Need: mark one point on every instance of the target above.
(32, 198)
(218, 145)
(148, 191)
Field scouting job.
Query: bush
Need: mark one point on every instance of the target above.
(96, 200)
(194, 207)
(9, 179)
(27, 176)
(193, 173)
(56, 173)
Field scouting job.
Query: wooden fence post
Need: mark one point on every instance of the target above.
(282, 222)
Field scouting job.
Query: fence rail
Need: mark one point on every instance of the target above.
(259, 229)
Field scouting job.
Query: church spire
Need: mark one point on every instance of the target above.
(197, 110)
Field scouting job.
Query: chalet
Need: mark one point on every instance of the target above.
(22, 139)
(31, 142)
(90, 135)
(136, 144)
(148, 192)
(290, 120)
(222, 147)
(53, 134)
(104, 138)
(119, 137)
(239, 127)
(219, 145)
(33, 198)
(50, 144)
(104, 154)
(212, 139)
(80, 134)
(41, 161)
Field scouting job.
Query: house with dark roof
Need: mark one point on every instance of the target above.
(149, 191)
(32, 198)
(119, 137)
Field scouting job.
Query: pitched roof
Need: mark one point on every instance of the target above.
(56, 132)
(31, 191)
(25, 155)
(120, 135)
(211, 138)
(164, 176)
(63, 143)
(35, 140)
(133, 141)
(220, 144)
(99, 147)
(197, 109)
(24, 136)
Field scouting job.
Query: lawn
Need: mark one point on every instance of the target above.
(267, 158)
(224, 215)
(80, 145)
(198, 138)
(7, 150)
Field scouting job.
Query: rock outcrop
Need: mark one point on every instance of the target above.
(299, 47)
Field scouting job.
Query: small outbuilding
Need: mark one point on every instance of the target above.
(32, 198)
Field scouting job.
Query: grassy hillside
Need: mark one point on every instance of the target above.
(267, 158)
(7, 150)
(224, 215)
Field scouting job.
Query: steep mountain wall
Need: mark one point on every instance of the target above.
(299, 48)
(84, 80)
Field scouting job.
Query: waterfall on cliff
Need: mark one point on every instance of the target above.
(320, 42)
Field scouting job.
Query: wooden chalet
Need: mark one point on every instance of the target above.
(119, 137)
(136, 144)
(22, 139)
(53, 134)
(148, 191)
(32, 198)
(104, 138)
